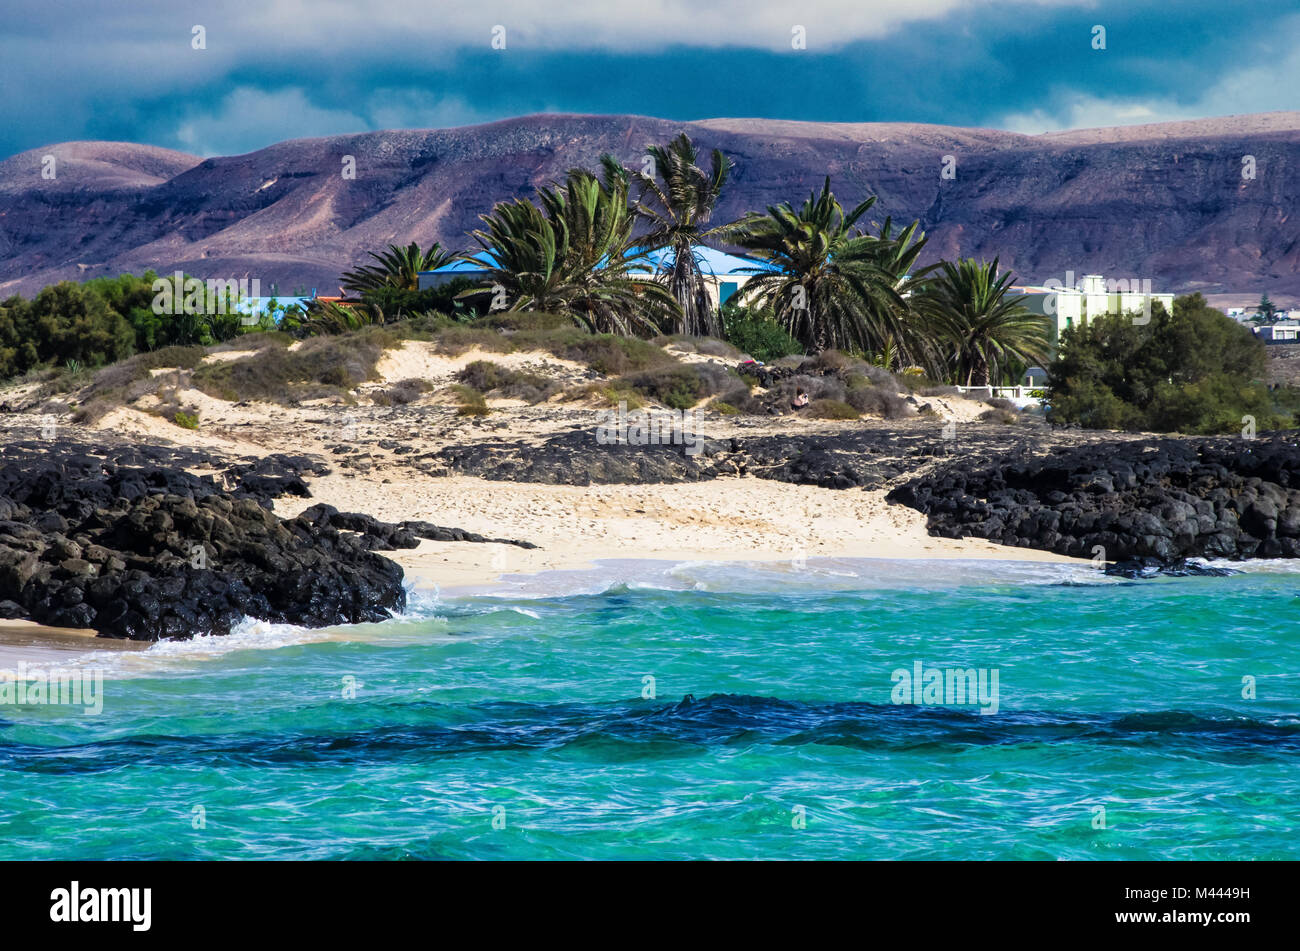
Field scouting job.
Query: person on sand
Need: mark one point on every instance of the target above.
(800, 400)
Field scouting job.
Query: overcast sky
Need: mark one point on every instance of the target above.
(278, 69)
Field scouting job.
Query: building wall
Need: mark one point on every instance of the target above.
(1070, 307)
(714, 286)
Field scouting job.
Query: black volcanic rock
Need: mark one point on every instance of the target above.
(387, 536)
(575, 458)
(123, 540)
(1138, 503)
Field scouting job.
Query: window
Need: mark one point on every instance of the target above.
(726, 290)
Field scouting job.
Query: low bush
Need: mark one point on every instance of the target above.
(709, 346)
(183, 358)
(754, 332)
(682, 385)
(830, 409)
(605, 394)
(489, 377)
(255, 341)
(878, 401)
(998, 415)
(470, 402)
(401, 393)
(321, 366)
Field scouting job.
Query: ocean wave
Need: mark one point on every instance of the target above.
(1274, 566)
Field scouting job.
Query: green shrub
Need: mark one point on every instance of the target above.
(877, 401)
(709, 346)
(607, 354)
(1000, 415)
(489, 377)
(470, 401)
(185, 358)
(606, 394)
(255, 340)
(682, 385)
(756, 333)
(186, 420)
(515, 320)
(401, 393)
(321, 366)
(1191, 371)
(63, 322)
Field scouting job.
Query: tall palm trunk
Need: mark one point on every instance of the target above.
(687, 286)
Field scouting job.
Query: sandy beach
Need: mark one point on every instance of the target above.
(742, 519)
(426, 462)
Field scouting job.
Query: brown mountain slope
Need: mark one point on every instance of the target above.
(1165, 202)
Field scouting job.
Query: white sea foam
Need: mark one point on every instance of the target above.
(758, 577)
(429, 604)
(1273, 566)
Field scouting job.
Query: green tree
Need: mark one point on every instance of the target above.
(677, 198)
(1192, 371)
(398, 267)
(989, 329)
(1267, 309)
(833, 285)
(571, 253)
(17, 349)
(71, 322)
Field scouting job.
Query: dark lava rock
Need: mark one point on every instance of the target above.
(386, 536)
(122, 539)
(855, 457)
(1143, 503)
(576, 458)
(1149, 567)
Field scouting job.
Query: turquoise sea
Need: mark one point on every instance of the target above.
(524, 724)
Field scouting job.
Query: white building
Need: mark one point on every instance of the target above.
(1284, 331)
(1072, 305)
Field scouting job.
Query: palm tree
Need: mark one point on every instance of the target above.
(909, 338)
(987, 329)
(833, 285)
(572, 254)
(398, 267)
(677, 198)
(329, 317)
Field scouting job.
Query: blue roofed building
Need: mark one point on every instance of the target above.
(724, 274)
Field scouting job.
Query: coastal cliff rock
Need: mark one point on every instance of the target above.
(1030, 200)
(1151, 502)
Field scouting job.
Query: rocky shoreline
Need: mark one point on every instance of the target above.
(155, 542)
(1149, 503)
(124, 540)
